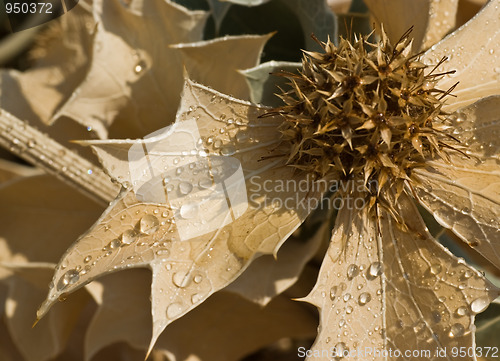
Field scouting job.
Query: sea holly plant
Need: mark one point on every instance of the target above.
(370, 119)
(367, 129)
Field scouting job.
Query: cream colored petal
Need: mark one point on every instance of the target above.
(264, 84)
(384, 288)
(59, 68)
(186, 271)
(473, 52)
(465, 197)
(431, 19)
(478, 127)
(268, 277)
(216, 62)
(134, 75)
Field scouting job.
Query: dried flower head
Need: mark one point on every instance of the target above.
(375, 114)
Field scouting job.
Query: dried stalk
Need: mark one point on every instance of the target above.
(44, 152)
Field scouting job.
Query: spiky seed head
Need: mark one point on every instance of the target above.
(363, 110)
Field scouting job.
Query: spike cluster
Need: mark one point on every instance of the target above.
(374, 114)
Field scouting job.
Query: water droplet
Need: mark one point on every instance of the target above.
(185, 187)
(69, 278)
(461, 311)
(205, 183)
(31, 143)
(180, 280)
(457, 330)
(114, 244)
(163, 252)
(348, 310)
(241, 137)
(129, 236)
(340, 350)
(435, 269)
(468, 274)
(195, 298)
(228, 150)
(436, 316)
(364, 298)
(149, 224)
(347, 297)
(217, 143)
(189, 210)
(139, 67)
(352, 271)
(374, 270)
(174, 310)
(198, 278)
(479, 304)
(87, 259)
(333, 292)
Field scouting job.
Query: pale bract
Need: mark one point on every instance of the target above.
(133, 233)
(412, 294)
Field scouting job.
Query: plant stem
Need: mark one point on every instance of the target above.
(44, 152)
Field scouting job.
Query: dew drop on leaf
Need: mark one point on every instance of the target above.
(340, 350)
(333, 292)
(195, 298)
(69, 278)
(479, 304)
(185, 187)
(163, 252)
(87, 259)
(228, 150)
(436, 316)
(364, 298)
(189, 210)
(456, 330)
(139, 67)
(461, 311)
(374, 270)
(435, 269)
(114, 244)
(352, 271)
(180, 280)
(174, 310)
(149, 224)
(129, 236)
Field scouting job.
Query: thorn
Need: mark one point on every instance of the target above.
(34, 323)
